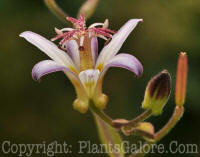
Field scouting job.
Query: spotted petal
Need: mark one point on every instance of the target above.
(49, 48)
(46, 67)
(117, 41)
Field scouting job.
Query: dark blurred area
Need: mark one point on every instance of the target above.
(33, 112)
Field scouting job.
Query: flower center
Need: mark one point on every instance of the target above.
(83, 35)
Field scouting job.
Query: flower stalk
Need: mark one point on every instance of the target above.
(146, 114)
(100, 113)
(178, 113)
(88, 8)
(119, 123)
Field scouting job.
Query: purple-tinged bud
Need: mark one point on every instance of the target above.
(157, 92)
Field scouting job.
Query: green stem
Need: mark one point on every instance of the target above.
(178, 113)
(56, 10)
(146, 114)
(100, 113)
(119, 123)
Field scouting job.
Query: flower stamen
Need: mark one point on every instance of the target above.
(80, 30)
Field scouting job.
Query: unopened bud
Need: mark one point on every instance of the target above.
(88, 8)
(101, 101)
(181, 79)
(157, 92)
(81, 105)
(145, 129)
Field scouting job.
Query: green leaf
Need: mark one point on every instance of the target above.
(110, 138)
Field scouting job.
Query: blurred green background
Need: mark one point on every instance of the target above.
(32, 112)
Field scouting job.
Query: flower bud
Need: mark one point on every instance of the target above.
(181, 79)
(157, 92)
(101, 101)
(145, 129)
(88, 8)
(81, 105)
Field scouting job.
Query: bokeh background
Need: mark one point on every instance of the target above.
(32, 112)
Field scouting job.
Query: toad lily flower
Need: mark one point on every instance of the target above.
(77, 56)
